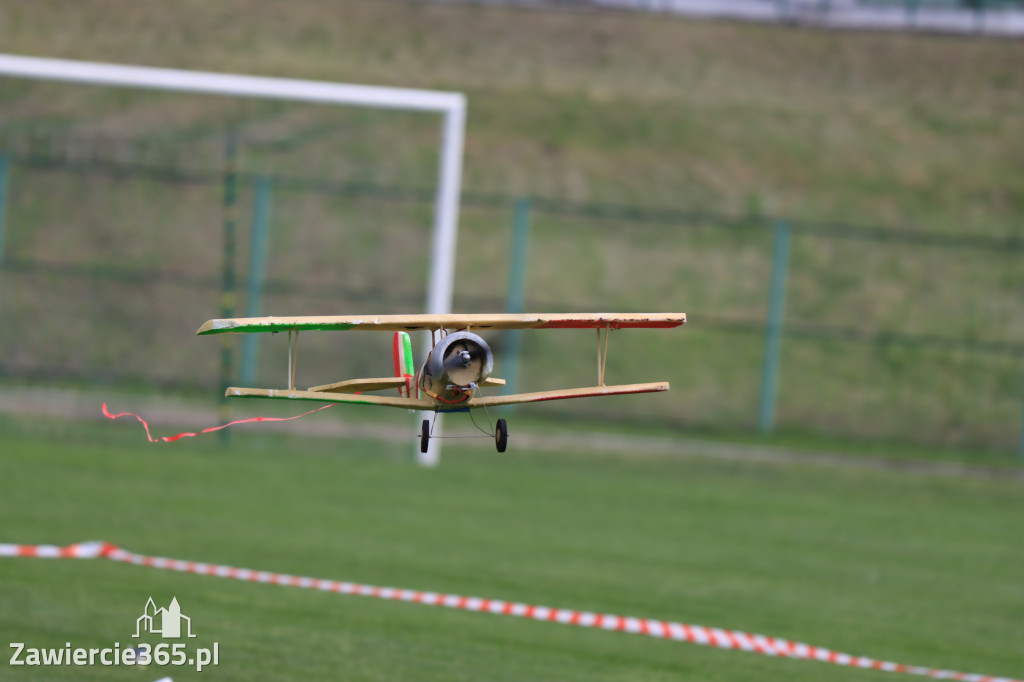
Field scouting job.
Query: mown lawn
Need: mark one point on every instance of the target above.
(909, 568)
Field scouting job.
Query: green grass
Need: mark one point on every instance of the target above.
(913, 569)
(897, 128)
(906, 131)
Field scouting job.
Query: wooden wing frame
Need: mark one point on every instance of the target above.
(248, 325)
(354, 390)
(430, 405)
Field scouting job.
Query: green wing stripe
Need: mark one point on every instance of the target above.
(258, 324)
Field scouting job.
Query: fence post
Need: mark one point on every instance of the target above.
(1022, 436)
(773, 329)
(516, 286)
(227, 296)
(910, 13)
(4, 165)
(257, 266)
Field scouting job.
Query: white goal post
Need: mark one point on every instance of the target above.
(451, 105)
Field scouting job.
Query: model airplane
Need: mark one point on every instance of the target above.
(457, 367)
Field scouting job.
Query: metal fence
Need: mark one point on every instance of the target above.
(987, 17)
(111, 255)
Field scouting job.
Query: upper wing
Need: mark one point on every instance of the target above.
(415, 322)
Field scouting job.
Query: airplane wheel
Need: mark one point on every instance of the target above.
(425, 435)
(501, 435)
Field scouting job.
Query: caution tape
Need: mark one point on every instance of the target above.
(695, 634)
(188, 434)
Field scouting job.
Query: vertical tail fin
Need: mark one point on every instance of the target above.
(402, 352)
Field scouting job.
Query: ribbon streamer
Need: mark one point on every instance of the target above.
(187, 434)
(695, 634)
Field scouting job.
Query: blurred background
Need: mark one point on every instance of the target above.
(838, 212)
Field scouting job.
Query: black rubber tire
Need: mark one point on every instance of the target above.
(425, 435)
(501, 435)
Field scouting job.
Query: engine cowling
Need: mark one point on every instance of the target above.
(457, 364)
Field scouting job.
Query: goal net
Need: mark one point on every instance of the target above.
(140, 202)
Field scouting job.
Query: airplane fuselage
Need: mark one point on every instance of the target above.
(454, 369)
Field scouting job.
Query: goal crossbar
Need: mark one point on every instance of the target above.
(451, 105)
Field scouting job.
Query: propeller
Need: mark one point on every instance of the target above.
(461, 356)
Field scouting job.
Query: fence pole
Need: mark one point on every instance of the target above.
(773, 329)
(227, 296)
(257, 266)
(910, 13)
(4, 165)
(1022, 436)
(516, 286)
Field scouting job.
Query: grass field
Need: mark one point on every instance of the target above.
(910, 132)
(916, 132)
(607, 106)
(910, 568)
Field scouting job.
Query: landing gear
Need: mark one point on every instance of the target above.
(501, 435)
(425, 435)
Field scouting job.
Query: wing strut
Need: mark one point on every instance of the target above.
(602, 354)
(293, 356)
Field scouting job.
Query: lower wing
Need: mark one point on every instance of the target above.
(329, 397)
(565, 394)
(422, 404)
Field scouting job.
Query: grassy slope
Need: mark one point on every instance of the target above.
(907, 568)
(868, 127)
(912, 130)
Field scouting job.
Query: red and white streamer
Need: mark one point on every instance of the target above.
(695, 634)
(188, 434)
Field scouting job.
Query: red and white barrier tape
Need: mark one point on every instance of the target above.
(696, 634)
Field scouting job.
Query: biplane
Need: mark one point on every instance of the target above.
(457, 369)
